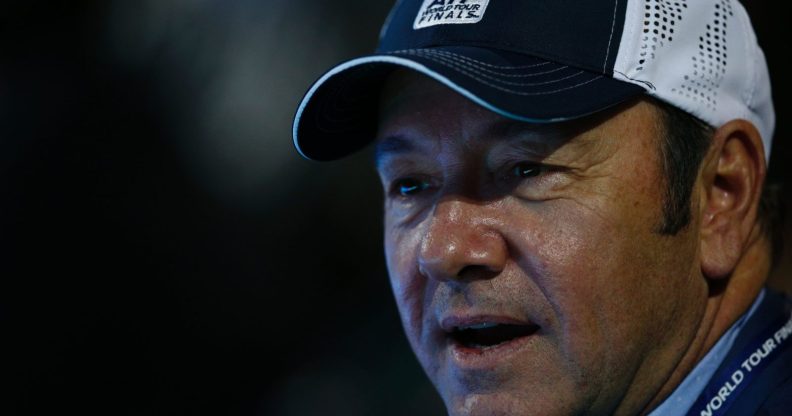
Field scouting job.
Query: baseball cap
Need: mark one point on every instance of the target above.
(545, 61)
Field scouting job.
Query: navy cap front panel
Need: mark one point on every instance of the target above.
(581, 33)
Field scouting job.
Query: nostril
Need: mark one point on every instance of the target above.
(477, 272)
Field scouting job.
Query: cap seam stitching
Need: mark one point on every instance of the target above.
(610, 40)
(475, 74)
(748, 49)
(480, 69)
(481, 64)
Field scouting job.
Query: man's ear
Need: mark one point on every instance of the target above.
(732, 177)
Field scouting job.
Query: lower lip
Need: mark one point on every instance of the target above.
(489, 357)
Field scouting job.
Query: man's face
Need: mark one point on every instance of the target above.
(524, 258)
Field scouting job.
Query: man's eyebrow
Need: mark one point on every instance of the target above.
(391, 145)
(540, 139)
(515, 129)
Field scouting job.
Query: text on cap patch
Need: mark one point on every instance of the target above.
(445, 12)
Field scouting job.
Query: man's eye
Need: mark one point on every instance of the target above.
(527, 170)
(409, 186)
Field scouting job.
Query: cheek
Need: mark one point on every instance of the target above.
(409, 288)
(562, 255)
(592, 273)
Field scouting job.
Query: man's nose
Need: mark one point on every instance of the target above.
(461, 243)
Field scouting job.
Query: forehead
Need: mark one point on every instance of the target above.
(414, 108)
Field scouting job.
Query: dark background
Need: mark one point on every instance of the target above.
(164, 251)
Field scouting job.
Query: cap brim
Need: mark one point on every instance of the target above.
(338, 115)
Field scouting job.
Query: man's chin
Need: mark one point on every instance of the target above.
(506, 404)
(492, 404)
(475, 404)
(535, 392)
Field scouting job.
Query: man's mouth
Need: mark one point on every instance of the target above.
(484, 342)
(487, 335)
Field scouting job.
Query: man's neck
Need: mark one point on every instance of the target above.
(728, 300)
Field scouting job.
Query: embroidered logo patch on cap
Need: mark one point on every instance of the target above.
(446, 12)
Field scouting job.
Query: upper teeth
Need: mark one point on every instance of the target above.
(483, 325)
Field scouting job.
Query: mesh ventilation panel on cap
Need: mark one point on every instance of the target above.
(658, 26)
(709, 65)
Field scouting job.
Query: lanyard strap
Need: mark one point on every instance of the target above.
(723, 390)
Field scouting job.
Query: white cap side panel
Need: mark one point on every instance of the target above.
(700, 56)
